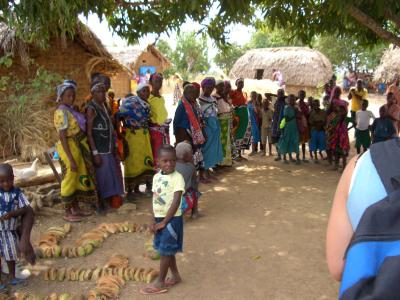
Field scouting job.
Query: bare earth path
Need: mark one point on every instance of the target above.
(262, 238)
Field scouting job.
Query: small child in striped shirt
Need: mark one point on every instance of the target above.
(13, 206)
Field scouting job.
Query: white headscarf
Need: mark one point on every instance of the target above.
(141, 86)
(68, 83)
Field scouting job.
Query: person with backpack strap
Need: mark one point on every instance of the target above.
(363, 236)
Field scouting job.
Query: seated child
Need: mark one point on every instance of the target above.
(14, 209)
(363, 120)
(185, 166)
(382, 129)
(168, 187)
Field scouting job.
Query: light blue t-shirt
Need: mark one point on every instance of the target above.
(366, 188)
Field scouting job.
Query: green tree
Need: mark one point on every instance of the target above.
(166, 50)
(345, 52)
(227, 56)
(191, 54)
(365, 20)
(266, 38)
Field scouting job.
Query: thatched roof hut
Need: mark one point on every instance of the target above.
(138, 61)
(75, 59)
(301, 67)
(389, 67)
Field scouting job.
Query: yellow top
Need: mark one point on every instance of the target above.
(357, 97)
(158, 112)
(164, 188)
(64, 120)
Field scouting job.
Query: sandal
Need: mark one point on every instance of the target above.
(169, 282)
(151, 290)
(17, 281)
(73, 218)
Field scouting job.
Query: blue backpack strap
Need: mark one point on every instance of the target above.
(386, 158)
(372, 267)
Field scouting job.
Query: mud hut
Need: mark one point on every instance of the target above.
(140, 62)
(389, 66)
(75, 59)
(301, 67)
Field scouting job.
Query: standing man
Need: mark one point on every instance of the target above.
(357, 95)
(394, 88)
(277, 76)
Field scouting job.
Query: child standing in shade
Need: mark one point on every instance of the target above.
(382, 129)
(13, 208)
(185, 166)
(363, 121)
(317, 121)
(168, 187)
(266, 123)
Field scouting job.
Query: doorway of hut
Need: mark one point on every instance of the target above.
(259, 74)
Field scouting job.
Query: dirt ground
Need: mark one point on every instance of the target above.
(262, 237)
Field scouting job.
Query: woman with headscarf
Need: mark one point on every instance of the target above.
(212, 149)
(159, 122)
(225, 120)
(135, 115)
(289, 140)
(78, 182)
(102, 141)
(242, 122)
(277, 118)
(188, 123)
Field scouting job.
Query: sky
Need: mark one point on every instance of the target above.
(239, 34)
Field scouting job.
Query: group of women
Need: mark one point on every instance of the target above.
(94, 139)
(204, 118)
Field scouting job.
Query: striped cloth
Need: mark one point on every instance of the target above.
(10, 201)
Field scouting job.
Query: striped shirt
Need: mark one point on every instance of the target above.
(10, 201)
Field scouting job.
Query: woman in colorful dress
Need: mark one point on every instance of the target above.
(188, 124)
(135, 115)
(212, 149)
(255, 130)
(225, 120)
(289, 140)
(102, 141)
(78, 183)
(159, 122)
(241, 115)
(279, 108)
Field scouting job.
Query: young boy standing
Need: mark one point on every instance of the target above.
(266, 122)
(168, 186)
(185, 166)
(363, 121)
(14, 207)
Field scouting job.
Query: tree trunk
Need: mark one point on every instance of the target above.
(369, 22)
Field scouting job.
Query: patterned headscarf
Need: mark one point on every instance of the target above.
(68, 83)
(208, 81)
(196, 85)
(97, 86)
(141, 86)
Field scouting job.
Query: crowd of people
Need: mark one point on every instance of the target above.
(213, 125)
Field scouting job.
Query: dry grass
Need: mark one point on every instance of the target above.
(389, 66)
(300, 66)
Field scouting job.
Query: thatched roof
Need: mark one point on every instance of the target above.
(389, 66)
(300, 66)
(128, 56)
(10, 43)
